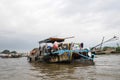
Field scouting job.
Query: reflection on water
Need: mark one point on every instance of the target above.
(107, 67)
(60, 71)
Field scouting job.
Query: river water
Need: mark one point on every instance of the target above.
(107, 67)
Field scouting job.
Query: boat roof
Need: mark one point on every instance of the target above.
(52, 40)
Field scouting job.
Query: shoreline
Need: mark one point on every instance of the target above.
(103, 52)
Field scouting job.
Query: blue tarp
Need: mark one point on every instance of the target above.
(63, 51)
(60, 52)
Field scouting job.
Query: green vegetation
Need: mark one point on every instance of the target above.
(108, 47)
(8, 52)
(13, 52)
(118, 49)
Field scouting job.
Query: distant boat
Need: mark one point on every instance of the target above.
(99, 51)
(54, 50)
(10, 55)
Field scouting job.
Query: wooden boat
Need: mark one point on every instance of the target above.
(53, 50)
(10, 55)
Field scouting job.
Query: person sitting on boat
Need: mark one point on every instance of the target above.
(60, 46)
(55, 46)
(33, 52)
(65, 47)
(49, 49)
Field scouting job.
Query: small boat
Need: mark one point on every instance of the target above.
(54, 50)
(10, 55)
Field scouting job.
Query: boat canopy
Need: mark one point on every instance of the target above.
(52, 40)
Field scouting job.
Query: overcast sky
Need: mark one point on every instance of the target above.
(24, 22)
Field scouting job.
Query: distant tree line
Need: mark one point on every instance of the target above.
(8, 52)
(108, 47)
(118, 49)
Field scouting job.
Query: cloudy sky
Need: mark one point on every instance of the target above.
(24, 22)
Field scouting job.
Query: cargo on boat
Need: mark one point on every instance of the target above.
(54, 50)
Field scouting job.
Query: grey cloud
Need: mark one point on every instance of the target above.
(24, 22)
(104, 12)
(88, 6)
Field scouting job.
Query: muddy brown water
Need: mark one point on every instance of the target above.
(107, 67)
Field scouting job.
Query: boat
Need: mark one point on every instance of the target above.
(10, 55)
(55, 50)
(98, 48)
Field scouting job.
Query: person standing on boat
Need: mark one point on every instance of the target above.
(81, 46)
